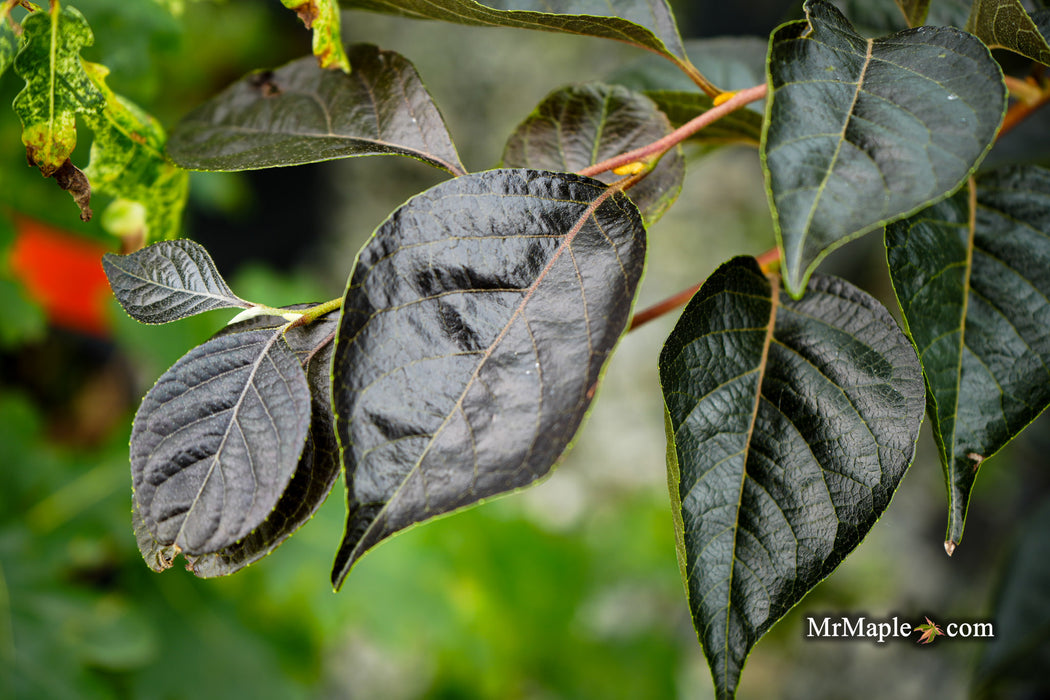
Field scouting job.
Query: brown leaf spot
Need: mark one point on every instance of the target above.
(977, 459)
(949, 547)
(137, 138)
(265, 84)
(308, 12)
(75, 182)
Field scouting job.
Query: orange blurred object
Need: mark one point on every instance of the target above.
(63, 273)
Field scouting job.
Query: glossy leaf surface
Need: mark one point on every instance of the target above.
(864, 131)
(318, 467)
(322, 17)
(790, 425)
(581, 125)
(301, 113)
(167, 281)
(645, 23)
(973, 286)
(475, 327)
(217, 439)
(128, 161)
(1006, 24)
(57, 87)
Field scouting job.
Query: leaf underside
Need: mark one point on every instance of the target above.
(168, 281)
(790, 425)
(645, 23)
(217, 439)
(860, 132)
(475, 326)
(1006, 24)
(581, 125)
(974, 290)
(301, 113)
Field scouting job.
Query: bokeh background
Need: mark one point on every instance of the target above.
(567, 590)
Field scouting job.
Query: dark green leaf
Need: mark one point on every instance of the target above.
(1006, 24)
(790, 424)
(167, 281)
(974, 291)
(1013, 665)
(475, 327)
(645, 23)
(301, 113)
(880, 17)
(862, 132)
(322, 16)
(581, 125)
(217, 440)
(128, 162)
(57, 88)
(319, 465)
(915, 11)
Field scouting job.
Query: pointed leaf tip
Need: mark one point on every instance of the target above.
(884, 126)
(475, 326)
(972, 276)
(790, 425)
(168, 281)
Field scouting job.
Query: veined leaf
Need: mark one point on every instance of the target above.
(648, 24)
(216, 441)
(790, 424)
(915, 11)
(315, 474)
(168, 281)
(57, 87)
(301, 113)
(581, 125)
(128, 161)
(861, 132)
(475, 327)
(1007, 25)
(322, 16)
(973, 280)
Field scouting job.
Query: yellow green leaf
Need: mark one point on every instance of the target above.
(322, 16)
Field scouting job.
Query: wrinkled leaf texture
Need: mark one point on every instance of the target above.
(1006, 24)
(301, 113)
(168, 281)
(790, 424)
(57, 87)
(217, 439)
(318, 467)
(580, 125)
(475, 327)
(860, 132)
(648, 24)
(974, 286)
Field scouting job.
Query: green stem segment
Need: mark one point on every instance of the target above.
(315, 312)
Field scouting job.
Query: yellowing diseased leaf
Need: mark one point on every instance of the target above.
(930, 631)
(322, 16)
(57, 87)
(128, 161)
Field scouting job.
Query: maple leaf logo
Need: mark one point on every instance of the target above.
(930, 631)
